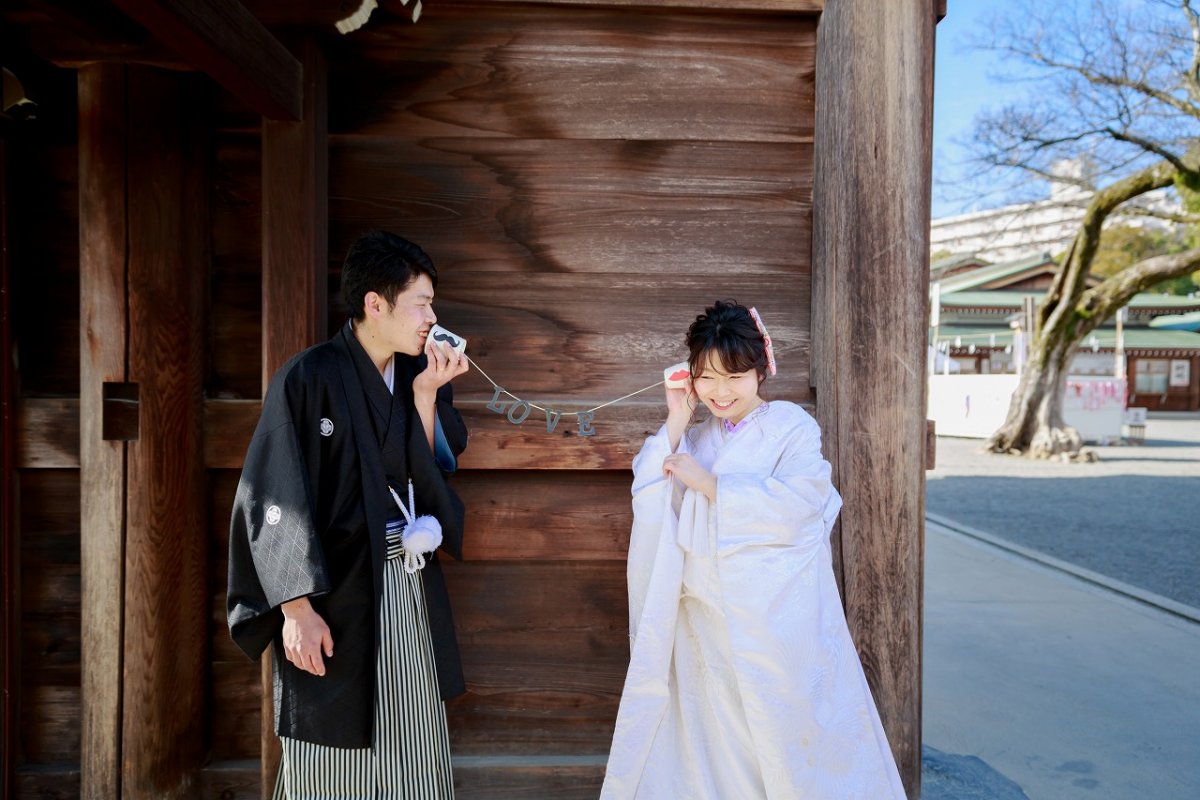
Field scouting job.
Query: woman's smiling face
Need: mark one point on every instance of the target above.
(728, 395)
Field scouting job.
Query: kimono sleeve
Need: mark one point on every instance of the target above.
(656, 501)
(795, 504)
(453, 429)
(275, 552)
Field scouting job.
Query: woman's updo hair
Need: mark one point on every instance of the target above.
(727, 330)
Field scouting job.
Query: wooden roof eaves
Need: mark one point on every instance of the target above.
(814, 7)
(223, 39)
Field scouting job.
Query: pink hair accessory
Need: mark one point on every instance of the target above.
(766, 340)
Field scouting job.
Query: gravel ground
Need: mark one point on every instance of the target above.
(1134, 515)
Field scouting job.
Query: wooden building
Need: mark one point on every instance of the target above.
(177, 196)
(1158, 343)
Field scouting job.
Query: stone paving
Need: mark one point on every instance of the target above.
(1134, 515)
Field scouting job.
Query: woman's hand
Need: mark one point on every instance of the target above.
(691, 474)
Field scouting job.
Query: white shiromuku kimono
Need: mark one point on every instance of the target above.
(743, 681)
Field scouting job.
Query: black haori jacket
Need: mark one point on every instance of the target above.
(309, 519)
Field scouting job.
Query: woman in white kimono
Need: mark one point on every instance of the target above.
(743, 681)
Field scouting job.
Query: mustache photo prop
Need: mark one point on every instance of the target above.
(439, 334)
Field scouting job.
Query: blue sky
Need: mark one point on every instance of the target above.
(962, 87)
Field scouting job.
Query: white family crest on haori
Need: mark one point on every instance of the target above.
(326, 426)
(421, 535)
(274, 514)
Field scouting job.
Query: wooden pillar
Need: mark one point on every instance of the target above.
(166, 591)
(144, 261)
(871, 204)
(295, 266)
(9, 561)
(102, 360)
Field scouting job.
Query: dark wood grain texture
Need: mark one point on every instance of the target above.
(871, 240)
(661, 208)
(48, 595)
(165, 549)
(274, 13)
(545, 646)
(295, 221)
(587, 179)
(9, 556)
(103, 247)
(224, 40)
(567, 74)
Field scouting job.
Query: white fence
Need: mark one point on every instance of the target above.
(974, 406)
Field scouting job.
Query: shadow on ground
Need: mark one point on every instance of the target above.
(945, 776)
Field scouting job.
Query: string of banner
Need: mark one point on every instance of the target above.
(518, 410)
(675, 377)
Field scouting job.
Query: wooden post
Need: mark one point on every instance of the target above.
(103, 260)
(871, 203)
(166, 591)
(295, 266)
(9, 557)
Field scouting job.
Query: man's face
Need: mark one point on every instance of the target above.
(407, 322)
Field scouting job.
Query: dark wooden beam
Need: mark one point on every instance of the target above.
(295, 266)
(871, 201)
(291, 14)
(753, 6)
(166, 545)
(9, 556)
(103, 259)
(226, 41)
(295, 224)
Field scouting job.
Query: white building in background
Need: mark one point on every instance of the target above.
(1016, 231)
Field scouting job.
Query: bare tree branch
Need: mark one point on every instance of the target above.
(1148, 146)
(1120, 81)
(1192, 75)
(1134, 210)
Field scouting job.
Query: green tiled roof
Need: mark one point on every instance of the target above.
(1178, 322)
(1001, 298)
(1135, 338)
(955, 260)
(976, 277)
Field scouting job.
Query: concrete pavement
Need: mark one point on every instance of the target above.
(1063, 688)
(1039, 684)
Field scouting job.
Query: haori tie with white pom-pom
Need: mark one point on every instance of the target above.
(421, 535)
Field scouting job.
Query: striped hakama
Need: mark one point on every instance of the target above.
(411, 756)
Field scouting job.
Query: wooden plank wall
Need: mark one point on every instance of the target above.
(587, 180)
(44, 270)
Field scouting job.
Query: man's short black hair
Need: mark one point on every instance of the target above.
(383, 263)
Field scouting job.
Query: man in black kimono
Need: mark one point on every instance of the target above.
(365, 650)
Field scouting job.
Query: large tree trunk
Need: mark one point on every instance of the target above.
(1035, 424)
